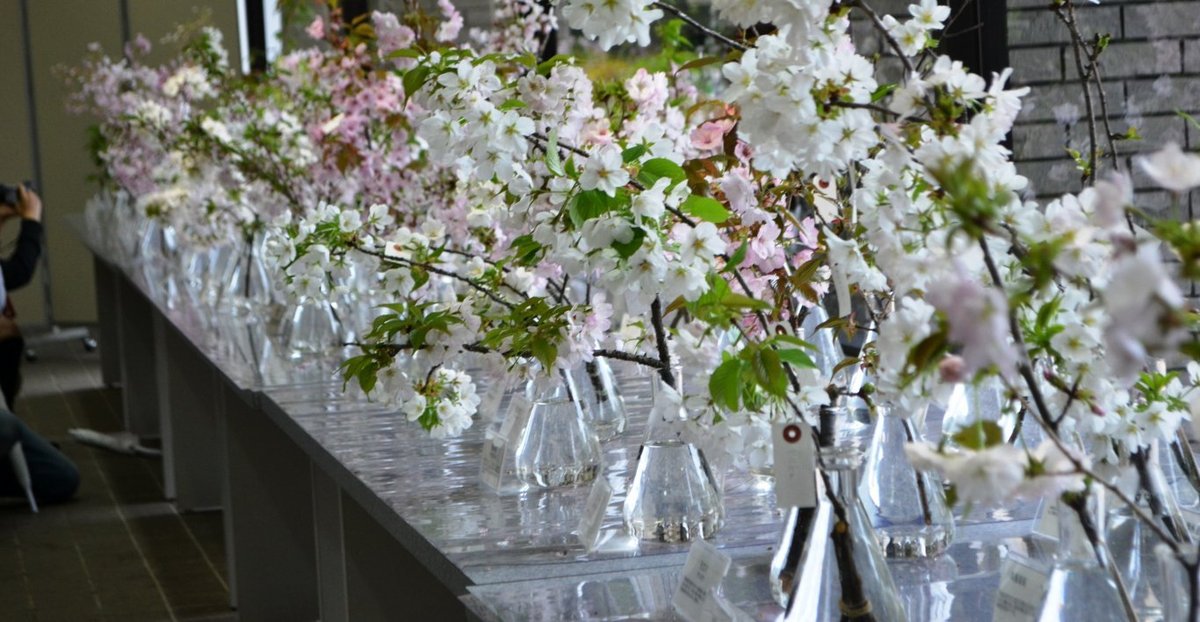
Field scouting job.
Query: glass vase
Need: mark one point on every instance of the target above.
(673, 496)
(1181, 588)
(556, 446)
(803, 542)
(1079, 587)
(1133, 544)
(311, 329)
(908, 507)
(602, 398)
(247, 287)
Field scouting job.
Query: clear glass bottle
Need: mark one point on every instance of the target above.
(907, 507)
(673, 496)
(1079, 588)
(556, 446)
(248, 287)
(1133, 544)
(829, 555)
(1181, 473)
(804, 541)
(602, 398)
(864, 582)
(312, 328)
(1179, 586)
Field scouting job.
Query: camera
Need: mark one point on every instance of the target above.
(9, 194)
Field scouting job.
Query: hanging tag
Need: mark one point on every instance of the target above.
(795, 465)
(702, 572)
(491, 463)
(1047, 522)
(514, 420)
(593, 513)
(1022, 588)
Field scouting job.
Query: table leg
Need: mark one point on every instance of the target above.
(269, 518)
(139, 374)
(193, 455)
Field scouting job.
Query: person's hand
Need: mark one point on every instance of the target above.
(29, 204)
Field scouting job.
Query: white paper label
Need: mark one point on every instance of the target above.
(702, 572)
(1022, 588)
(1047, 522)
(514, 419)
(795, 465)
(593, 513)
(491, 463)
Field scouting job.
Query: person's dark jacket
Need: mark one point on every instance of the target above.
(19, 267)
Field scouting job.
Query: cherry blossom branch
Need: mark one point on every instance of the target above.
(1090, 73)
(1068, 17)
(691, 21)
(435, 270)
(660, 338)
(1024, 367)
(892, 42)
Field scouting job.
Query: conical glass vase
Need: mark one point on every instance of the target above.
(1079, 588)
(673, 496)
(803, 542)
(908, 508)
(247, 285)
(602, 400)
(1181, 475)
(1181, 588)
(556, 446)
(855, 582)
(311, 329)
(1133, 544)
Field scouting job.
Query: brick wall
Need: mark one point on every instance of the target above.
(1151, 69)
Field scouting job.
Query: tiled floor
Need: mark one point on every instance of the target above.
(118, 552)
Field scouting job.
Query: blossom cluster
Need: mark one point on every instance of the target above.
(737, 223)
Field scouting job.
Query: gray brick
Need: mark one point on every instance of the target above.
(1191, 56)
(1162, 19)
(1051, 179)
(1155, 132)
(1037, 64)
(1034, 27)
(1047, 140)
(1147, 58)
(1164, 94)
(1039, 105)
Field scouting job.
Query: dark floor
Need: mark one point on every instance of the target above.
(119, 552)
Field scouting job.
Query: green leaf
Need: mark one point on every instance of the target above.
(513, 104)
(883, 91)
(525, 249)
(553, 162)
(725, 384)
(736, 258)
(706, 208)
(587, 205)
(414, 79)
(768, 371)
(627, 249)
(656, 168)
(703, 61)
(795, 341)
(545, 66)
(544, 351)
(633, 153)
(980, 435)
(797, 358)
(741, 301)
